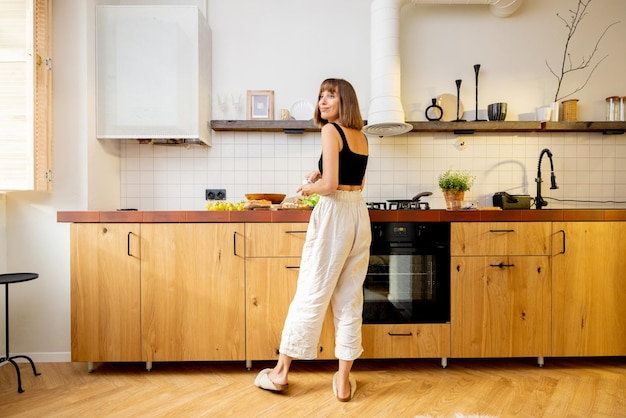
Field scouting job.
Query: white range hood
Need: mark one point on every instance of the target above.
(386, 115)
(153, 72)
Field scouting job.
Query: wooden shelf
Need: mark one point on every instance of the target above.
(608, 128)
(468, 127)
(286, 126)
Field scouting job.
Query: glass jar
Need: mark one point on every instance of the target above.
(622, 105)
(612, 108)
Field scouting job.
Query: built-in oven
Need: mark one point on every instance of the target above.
(408, 278)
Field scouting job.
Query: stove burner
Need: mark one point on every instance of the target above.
(398, 205)
(377, 205)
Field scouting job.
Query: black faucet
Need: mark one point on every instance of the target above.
(539, 202)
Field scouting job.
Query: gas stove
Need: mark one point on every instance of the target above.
(398, 205)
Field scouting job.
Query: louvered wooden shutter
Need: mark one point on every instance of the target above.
(25, 92)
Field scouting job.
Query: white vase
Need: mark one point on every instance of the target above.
(556, 111)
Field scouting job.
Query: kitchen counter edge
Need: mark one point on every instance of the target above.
(277, 216)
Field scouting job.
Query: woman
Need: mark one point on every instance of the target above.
(336, 252)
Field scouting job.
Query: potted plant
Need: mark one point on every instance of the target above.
(454, 184)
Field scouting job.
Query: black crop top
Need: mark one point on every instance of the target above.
(351, 165)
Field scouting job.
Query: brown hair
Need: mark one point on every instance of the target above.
(349, 113)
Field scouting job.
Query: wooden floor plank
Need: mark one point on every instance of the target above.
(386, 388)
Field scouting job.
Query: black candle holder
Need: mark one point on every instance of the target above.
(458, 101)
(476, 70)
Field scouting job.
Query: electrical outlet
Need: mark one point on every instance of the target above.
(215, 194)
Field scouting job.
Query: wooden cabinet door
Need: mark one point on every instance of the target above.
(500, 238)
(105, 292)
(192, 292)
(270, 286)
(500, 306)
(589, 287)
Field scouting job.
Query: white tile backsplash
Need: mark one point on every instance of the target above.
(590, 168)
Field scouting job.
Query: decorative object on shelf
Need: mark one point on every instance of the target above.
(284, 114)
(476, 70)
(496, 111)
(566, 62)
(302, 110)
(260, 104)
(237, 105)
(434, 111)
(222, 102)
(454, 184)
(556, 111)
(615, 108)
(449, 103)
(544, 113)
(569, 110)
(458, 101)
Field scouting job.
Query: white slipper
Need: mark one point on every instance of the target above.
(352, 381)
(264, 382)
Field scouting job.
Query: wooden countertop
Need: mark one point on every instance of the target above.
(435, 215)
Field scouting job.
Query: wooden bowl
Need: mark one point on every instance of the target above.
(272, 197)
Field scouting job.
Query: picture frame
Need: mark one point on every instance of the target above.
(260, 105)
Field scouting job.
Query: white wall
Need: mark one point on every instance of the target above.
(289, 46)
(291, 55)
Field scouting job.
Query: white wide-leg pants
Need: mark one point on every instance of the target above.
(334, 263)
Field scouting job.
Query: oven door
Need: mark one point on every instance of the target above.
(407, 285)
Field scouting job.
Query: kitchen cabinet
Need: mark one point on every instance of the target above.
(273, 253)
(26, 96)
(105, 285)
(588, 289)
(500, 289)
(157, 292)
(192, 292)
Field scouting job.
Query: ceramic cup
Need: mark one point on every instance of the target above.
(496, 111)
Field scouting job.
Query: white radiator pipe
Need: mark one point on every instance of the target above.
(386, 115)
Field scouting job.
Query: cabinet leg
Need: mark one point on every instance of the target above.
(90, 367)
(444, 362)
(149, 366)
(540, 361)
(249, 365)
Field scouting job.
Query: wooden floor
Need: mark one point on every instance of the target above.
(386, 388)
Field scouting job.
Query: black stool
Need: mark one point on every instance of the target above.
(7, 279)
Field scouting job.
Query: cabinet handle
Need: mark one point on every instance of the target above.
(501, 230)
(502, 265)
(128, 244)
(235, 244)
(393, 334)
(563, 232)
(292, 267)
(295, 232)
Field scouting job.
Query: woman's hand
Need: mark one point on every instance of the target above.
(306, 189)
(313, 176)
